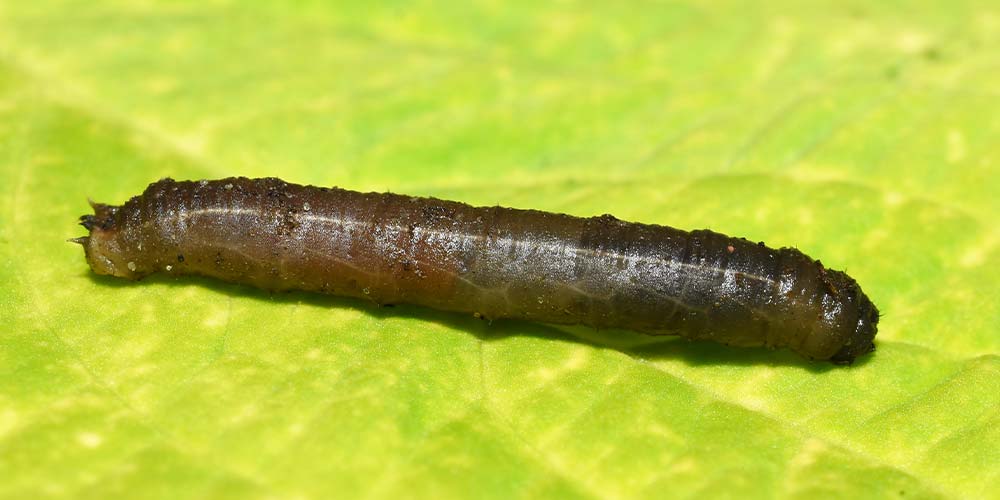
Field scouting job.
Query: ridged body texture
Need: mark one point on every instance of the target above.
(493, 262)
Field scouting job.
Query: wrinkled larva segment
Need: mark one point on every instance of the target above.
(492, 262)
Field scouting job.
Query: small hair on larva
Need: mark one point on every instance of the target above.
(492, 262)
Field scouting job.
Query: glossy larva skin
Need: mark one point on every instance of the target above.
(494, 262)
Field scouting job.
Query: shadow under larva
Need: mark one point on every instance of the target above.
(492, 262)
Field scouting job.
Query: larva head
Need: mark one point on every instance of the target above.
(861, 341)
(857, 317)
(104, 247)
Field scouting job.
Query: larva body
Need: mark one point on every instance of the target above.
(493, 262)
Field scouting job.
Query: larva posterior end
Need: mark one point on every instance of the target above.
(102, 218)
(103, 247)
(102, 210)
(88, 221)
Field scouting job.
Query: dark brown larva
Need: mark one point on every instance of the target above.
(492, 262)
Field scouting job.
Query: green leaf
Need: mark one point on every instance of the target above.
(864, 133)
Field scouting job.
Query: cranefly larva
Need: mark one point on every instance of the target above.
(493, 262)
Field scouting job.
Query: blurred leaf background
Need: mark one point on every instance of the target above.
(865, 133)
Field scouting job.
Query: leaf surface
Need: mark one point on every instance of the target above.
(863, 133)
